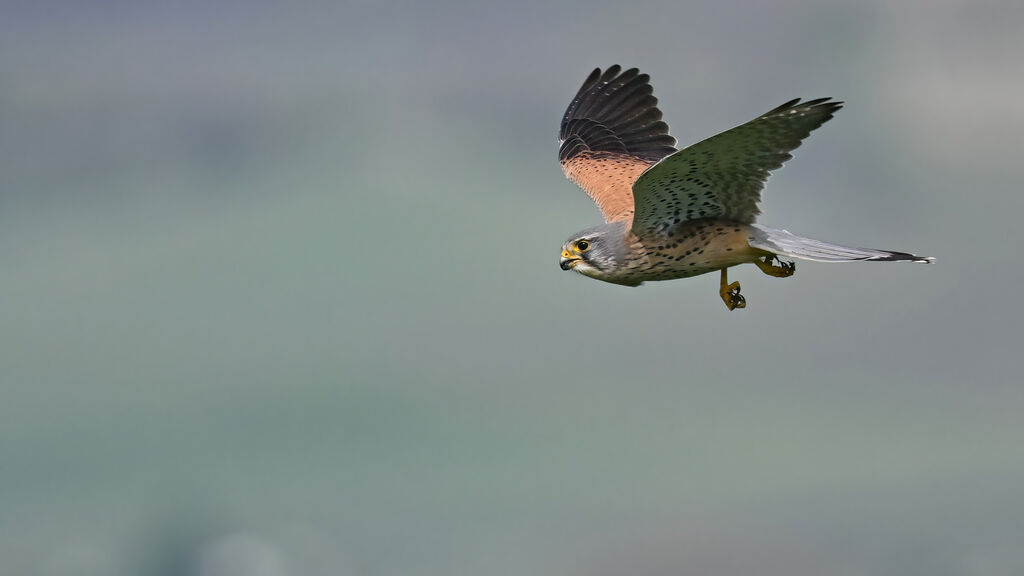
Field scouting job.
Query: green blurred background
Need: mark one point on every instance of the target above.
(280, 296)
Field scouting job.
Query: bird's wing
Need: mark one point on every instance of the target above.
(722, 177)
(610, 133)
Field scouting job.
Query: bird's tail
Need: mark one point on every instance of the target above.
(783, 243)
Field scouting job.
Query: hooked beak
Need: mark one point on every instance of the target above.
(568, 260)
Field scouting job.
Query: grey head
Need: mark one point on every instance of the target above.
(600, 252)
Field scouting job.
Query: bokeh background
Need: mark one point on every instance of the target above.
(280, 296)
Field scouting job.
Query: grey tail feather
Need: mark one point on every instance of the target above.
(783, 243)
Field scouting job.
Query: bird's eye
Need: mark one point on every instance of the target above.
(583, 245)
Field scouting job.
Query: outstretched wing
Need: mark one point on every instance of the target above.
(610, 133)
(722, 177)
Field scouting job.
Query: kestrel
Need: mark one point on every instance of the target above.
(679, 213)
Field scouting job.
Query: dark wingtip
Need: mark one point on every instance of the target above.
(615, 111)
(610, 72)
(905, 257)
(827, 105)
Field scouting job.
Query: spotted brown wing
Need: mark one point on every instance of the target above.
(610, 134)
(722, 177)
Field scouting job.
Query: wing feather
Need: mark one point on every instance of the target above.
(607, 177)
(610, 134)
(722, 177)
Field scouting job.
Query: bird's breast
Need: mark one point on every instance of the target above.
(689, 249)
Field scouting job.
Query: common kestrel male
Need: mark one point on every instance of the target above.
(679, 213)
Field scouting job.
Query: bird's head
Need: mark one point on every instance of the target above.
(595, 252)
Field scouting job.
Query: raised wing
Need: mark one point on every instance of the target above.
(610, 134)
(722, 177)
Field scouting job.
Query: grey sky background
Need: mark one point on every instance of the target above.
(280, 296)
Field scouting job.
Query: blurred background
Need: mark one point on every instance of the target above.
(280, 296)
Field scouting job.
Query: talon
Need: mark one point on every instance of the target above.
(730, 293)
(738, 301)
(731, 296)
(781, 270)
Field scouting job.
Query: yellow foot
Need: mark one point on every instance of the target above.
(730, 293)
(731, 296)
(783, 270)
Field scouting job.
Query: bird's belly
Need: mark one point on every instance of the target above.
(694, 248)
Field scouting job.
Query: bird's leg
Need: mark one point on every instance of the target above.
(783, 270)
(730, 293)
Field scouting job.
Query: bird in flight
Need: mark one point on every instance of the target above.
(678, 213)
